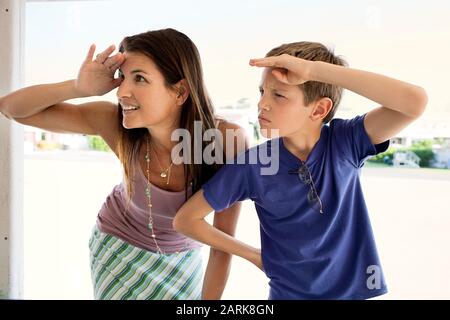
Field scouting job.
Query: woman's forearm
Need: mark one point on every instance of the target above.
(31, 100)
(216, 274)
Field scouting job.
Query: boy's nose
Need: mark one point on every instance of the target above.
(262, 105)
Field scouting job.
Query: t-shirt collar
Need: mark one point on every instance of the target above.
(313, 156)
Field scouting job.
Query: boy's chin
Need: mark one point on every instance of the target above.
(270, 133)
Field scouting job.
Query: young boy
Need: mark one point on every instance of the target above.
(316, 238)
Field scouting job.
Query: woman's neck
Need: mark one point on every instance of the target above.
(161, 140)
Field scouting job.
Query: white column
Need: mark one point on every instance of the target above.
(12, 33)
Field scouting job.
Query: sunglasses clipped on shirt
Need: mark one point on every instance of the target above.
(305, 177)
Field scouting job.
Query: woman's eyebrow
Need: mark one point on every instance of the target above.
(134, 71)
(138, 70)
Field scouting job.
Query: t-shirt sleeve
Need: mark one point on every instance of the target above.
(354, 142)
(227, 186)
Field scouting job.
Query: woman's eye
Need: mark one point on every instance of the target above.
(278, 95)
(139, 78)
(261, 92)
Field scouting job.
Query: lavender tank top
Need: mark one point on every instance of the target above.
(131, 225)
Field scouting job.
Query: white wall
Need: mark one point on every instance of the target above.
(11, 154)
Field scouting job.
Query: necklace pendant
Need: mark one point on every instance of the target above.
(163, 174)
(150, 226)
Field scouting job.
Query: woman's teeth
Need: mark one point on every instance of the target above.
(129, 108)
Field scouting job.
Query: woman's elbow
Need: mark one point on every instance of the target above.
(179, 222)
(4, 108)
(421, 101)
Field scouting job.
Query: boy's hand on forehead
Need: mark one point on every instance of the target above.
(286, 68)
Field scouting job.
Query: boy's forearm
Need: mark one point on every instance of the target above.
(216, 274)
(390, 93)
(31, 100)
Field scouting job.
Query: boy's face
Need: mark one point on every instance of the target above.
(281, 106)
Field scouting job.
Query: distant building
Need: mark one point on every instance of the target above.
(38, 139)
(406, 159)
(442, 155)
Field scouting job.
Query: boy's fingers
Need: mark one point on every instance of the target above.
(260, 62)
(265, 62)
(280, 75)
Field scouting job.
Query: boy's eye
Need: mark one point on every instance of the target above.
(261, 91)
(278, 95)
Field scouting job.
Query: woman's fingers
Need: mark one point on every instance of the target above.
(90, 54)
(116, 65)
(114, 60)
(101, 57)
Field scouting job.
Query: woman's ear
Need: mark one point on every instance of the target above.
(183, 91)
(321, 108)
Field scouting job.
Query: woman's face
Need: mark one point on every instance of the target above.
(143, 95)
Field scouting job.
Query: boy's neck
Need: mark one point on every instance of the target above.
(301, 143)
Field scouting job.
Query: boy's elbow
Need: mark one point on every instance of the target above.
(176, 225)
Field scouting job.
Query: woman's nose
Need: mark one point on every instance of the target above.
(123, 90)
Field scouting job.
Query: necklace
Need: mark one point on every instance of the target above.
(150, 224)
(164, 173)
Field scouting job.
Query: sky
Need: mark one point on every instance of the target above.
(408, 40)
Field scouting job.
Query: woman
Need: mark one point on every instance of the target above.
(135, 253)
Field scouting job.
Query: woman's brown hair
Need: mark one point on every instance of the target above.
(177, 58)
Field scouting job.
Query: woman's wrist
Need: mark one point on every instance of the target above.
(74, 91)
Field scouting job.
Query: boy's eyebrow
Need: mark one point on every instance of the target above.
(273, 88)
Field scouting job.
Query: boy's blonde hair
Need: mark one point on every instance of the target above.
(313, 90)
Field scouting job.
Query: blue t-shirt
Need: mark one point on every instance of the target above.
(307, 254)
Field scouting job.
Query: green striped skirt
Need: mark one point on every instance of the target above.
(121, 271)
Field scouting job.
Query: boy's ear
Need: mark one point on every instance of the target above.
(321, 108)
(183, 91)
